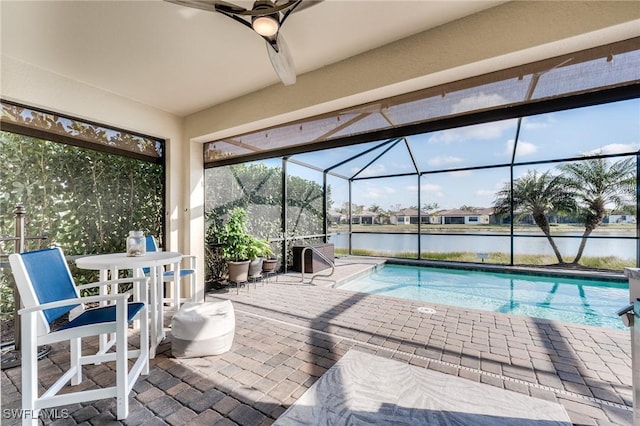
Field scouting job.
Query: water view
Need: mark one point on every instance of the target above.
(580, 301)
(391, 244)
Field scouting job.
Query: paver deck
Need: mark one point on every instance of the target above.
(289, 333)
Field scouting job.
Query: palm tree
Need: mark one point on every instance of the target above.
(598, 184)
(537, 194)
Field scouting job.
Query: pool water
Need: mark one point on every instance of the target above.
(580, 301)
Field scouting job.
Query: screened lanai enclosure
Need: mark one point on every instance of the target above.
(535, 165)
(81, 185)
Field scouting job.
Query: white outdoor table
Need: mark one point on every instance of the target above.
(156, 261)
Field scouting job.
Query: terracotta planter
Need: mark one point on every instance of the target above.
(238, 271)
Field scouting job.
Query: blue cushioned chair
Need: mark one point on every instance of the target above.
(190, 272)
(48, 292)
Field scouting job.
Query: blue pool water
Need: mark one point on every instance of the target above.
(581, 301)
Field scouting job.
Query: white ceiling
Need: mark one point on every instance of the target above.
(183, 60)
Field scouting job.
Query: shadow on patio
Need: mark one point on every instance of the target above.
(289, 335)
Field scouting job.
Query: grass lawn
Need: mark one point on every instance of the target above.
(625, 229)
(610, 263)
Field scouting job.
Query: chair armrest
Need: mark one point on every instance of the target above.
(111, 282)
(75, 301)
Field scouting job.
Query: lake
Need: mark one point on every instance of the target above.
(391, 244)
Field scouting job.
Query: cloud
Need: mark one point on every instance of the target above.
(372, 170)
(373, 192)
(485, 131)
(442, 160)
(524, 148)
(478, 101)
(460, 173)
(433, 190)
(492, 192)
(613, 148)
(534, 123)
(431, 187)
(403, 166)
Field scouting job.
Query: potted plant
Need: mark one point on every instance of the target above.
(235, 242)
(257, 250)
(269, 262)
(269, 265)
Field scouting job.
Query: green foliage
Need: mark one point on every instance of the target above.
(6, 294)
(258, 248)
(254, 187)
(85, 201)
(258, 189)
(233, 236)
(538, 195)
(610, 263)
(585, 188)
(598, 184)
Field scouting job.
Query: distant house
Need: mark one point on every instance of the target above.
(619, 218)
(336, 218)
(477, 216)
(408, 217)
(364, 218)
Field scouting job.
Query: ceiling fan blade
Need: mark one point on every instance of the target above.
(305, 4)
(296, 7)
(282, 61)
(209, 6)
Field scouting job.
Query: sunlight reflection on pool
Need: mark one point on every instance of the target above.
(580, 301)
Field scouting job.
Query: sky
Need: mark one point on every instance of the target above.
(609, 129)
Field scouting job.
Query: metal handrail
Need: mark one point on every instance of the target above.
(12, 358)
(322, 256)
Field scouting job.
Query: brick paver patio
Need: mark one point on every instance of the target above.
(288, 334)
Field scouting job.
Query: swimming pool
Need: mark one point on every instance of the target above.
(580, 301)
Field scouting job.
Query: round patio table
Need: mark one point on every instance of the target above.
(155, 261)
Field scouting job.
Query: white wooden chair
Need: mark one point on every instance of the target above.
(176, 300)
(48, 292)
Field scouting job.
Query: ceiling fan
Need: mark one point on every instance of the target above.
(265, 18)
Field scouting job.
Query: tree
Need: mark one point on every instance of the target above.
(258, 189)
(431, 207)
(598, 184)
(538, 194)
(85, 201)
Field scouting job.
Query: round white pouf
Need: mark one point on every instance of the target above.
(202, 329)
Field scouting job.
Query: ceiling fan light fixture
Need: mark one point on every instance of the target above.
(266, 26)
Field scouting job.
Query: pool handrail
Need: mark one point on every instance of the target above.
(330, 262)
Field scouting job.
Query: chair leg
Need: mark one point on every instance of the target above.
(76, 353)
(192, 290)
(144, 339)
(29, 370)
(122, 370)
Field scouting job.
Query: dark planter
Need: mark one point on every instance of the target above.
(269, 265)
(255, 267)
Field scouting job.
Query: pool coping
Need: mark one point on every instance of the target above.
(527, 270)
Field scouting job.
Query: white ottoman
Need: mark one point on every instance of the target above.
(202, 329)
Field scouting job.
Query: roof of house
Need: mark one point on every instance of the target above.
(458, 212)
